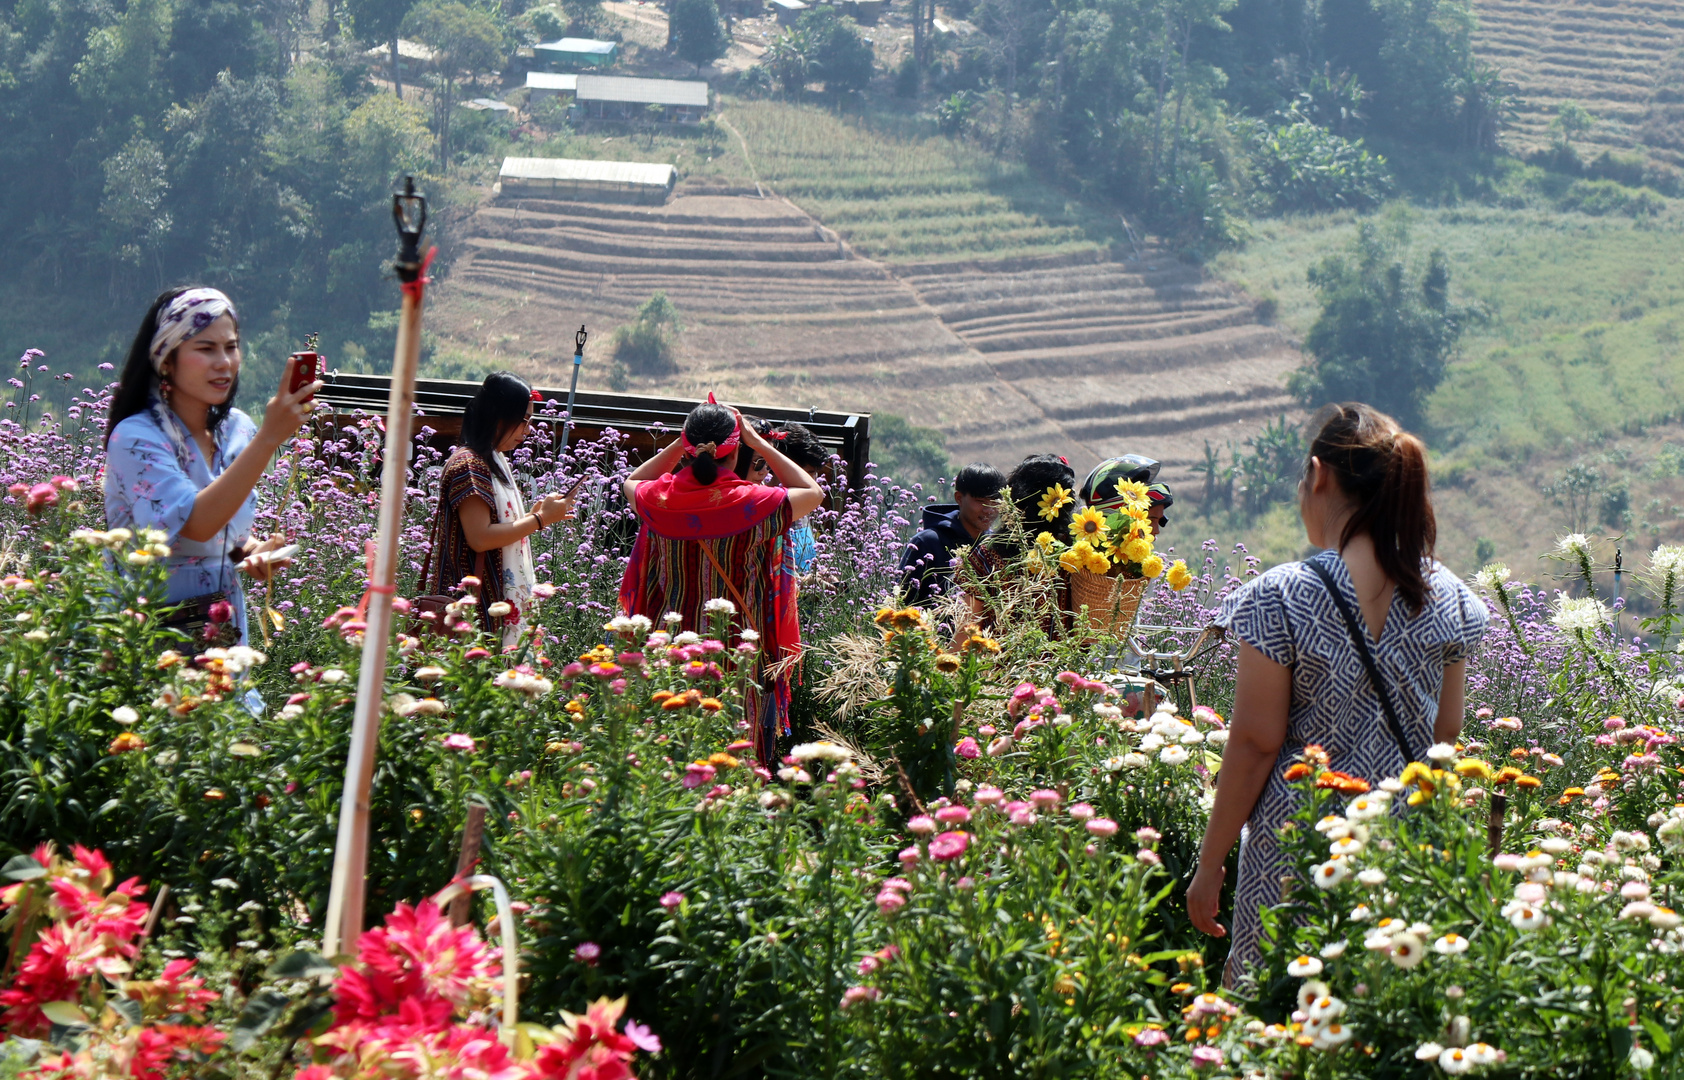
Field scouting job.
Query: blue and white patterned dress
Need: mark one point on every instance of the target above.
(1288, 615)
(152, 477)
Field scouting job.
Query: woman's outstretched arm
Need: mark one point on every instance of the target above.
(659, 465)
(1262, 701)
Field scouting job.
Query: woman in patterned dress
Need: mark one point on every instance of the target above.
(1364, 498)
(181, 459)
(707, 534)
(482, 524)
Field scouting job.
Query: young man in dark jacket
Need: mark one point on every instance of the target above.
(927, 566)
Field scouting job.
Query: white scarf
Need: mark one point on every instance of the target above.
(518, 576)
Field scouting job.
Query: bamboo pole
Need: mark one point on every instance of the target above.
(347, 894)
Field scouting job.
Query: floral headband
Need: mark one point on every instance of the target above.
(185, 317)
(718, 450)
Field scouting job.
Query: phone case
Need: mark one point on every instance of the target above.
(306, 371)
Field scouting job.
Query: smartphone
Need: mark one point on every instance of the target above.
(568, 494)
(307, 369)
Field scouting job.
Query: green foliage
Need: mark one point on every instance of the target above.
(907, 78)
(1301, 166)
(696, 33)
(466, 43)
(648, 345)
(837, 54)
(823, 46)
(910, 454)
(1380, 338)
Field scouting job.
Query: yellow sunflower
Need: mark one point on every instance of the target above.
(1133, 493)
(1056, 499)
(1089, 525)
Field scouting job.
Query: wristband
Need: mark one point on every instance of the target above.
(538, 519)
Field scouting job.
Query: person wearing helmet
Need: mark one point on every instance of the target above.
(1100, 489)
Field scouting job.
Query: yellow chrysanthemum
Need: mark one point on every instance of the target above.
(1089, 525)
(1136, 551)
(1095, 562)
(1037, 562)
(1045, 541)
(1070, 561)
(1056, 499)
(1151, 566)
(1179, 577)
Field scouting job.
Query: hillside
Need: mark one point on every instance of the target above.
(890, 270)
(1614, 57)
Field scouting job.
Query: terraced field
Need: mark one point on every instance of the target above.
(1074, 354)
(772, 309)
(1608, 55)
(1144, 356)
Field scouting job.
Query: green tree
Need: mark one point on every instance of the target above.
(908, 453)
(695, 33)
(789, 59)
(466, 43)
(1383, 336)
(377, 23)
(836, 53)
(136, 181)
(647, 346)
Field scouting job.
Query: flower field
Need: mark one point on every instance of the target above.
(969, 865)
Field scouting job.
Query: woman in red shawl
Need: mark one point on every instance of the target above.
(707, 534)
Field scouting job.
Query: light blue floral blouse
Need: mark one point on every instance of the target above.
(151, 480)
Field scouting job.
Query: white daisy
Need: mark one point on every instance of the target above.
(1304, 967)
(1451, 945)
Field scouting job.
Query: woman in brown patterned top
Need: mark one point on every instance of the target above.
(482, 523)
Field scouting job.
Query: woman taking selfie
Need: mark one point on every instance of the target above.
(708, 534)
(482, 524)
(181, 459)
(1361, 650)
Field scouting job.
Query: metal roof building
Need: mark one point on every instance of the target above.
(576, 51)
(543, 84)
(621, 89)
(596, 181)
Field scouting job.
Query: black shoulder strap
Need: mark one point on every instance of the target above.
(1359, 638)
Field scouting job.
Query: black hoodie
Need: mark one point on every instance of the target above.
(927, 565)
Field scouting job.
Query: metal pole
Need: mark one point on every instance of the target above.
(346, 896)
(573, 387)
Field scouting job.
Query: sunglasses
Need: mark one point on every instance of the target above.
(757, 465)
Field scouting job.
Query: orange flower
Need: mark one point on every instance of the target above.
(712, 704)
(660, 696)
(1529, 782)
(1343, 783)
(1518, 755)
(126, 741)
(1508, 774)
(1315, 755)
(577, 709)
(673, 703)
(1297, 771)
(215, 795)
(723, 761)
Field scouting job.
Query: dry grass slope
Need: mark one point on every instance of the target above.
(1608, 55)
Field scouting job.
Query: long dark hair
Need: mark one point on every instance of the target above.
(135, 384)
(500, 404)
(1382, 469)
(1028, 482)
(707, 423)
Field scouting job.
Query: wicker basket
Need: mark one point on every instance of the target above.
(1113, 603)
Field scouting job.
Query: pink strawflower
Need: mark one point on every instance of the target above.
(949, 845)
(1045, 799)
(1081, 811)
(922, 825)
(671, 900)
(909, 856)
(1102, 827)
(587, 953)
(458, 741)
(967, 748)
(953, 815)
